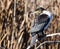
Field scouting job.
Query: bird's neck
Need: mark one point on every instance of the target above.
(47, 12)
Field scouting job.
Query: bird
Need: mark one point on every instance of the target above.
(40, 24)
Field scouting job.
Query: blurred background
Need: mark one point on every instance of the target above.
(15, 23)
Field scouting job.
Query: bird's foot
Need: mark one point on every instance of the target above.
(41, 36)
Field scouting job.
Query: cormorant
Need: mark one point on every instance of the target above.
(40, 24)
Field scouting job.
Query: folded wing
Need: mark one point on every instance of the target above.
(40, 22)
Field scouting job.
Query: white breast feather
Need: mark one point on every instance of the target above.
(50, 16)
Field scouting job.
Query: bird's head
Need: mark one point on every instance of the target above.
(38, 10)
(42, 10)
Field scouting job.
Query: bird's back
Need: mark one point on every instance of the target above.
(39, 23)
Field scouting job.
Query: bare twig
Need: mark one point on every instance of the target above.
(54, 34)
(49, 35)
(47, 42)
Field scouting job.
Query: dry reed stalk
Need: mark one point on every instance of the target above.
(14, 8)
(8, 4)
(48, 42)
(20, 32)
(54, 8)
(21, 43)
(22, 24)
(19, 40)
(0, 28)
(56, 46)
(35, 46)
(3, 37)
(4, 43)
(2, 5)
(14, 25)
(25, 15)
(53, 46)
(8, 44)
(26, 3)
(50, 47)
(44, 46)
(12, 39)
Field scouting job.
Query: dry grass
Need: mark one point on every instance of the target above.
(14, 33)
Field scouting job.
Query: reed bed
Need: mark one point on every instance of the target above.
(15, 23)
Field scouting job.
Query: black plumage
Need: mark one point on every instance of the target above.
(42, 18)
(39, 24)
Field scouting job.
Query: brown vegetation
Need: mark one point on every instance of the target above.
(14, 33)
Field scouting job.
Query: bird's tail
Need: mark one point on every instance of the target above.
(33, 40)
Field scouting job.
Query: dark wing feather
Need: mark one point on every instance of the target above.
(39, 23)
(37, 28)
(42, 18)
